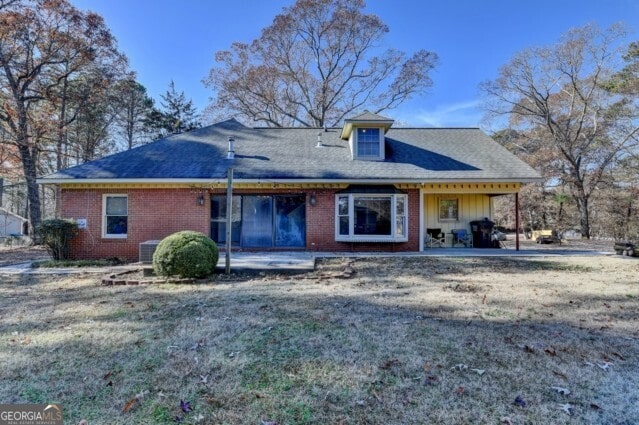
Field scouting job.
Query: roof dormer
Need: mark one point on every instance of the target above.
(365, 135)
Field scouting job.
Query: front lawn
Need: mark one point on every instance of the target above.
(402, 341)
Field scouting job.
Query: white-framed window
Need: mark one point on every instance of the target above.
(368, 143)
(115, 216)
(371, 217)
(448, 209)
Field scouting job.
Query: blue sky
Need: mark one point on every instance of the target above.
(175, 40)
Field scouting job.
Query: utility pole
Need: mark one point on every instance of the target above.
(229, 219)
(517, 221)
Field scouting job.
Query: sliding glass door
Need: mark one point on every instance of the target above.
(290, 221)
(218, 219)
(257, 221)
(261, 221)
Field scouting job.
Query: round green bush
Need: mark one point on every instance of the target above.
(186, 254)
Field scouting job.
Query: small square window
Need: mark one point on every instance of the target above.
(448, 209)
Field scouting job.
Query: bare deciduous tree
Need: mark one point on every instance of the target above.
(42, 43)
(5, 4)
(315, 64)
(557, 99)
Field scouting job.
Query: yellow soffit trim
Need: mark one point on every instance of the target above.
(479, 187)
(448, 187)
(206, 186)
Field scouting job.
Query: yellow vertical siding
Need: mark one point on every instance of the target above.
(471, 207)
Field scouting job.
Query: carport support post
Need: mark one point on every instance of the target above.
(516, 221)
(229, 219)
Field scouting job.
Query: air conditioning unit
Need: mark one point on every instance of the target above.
(146, 251)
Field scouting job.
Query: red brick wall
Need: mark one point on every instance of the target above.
(153, 214)
(156, 213)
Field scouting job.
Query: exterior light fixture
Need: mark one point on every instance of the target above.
(312, 200)
(200, 199)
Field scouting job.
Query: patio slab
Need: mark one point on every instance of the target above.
(302, 261)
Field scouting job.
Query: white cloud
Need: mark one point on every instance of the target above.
(459, 114)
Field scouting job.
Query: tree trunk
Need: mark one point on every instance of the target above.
(584, 216)
(130, 124)
(29, 167)
(61, 143)
(29, 158)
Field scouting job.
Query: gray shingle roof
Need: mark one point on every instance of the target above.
(369, 116)
(412, 154)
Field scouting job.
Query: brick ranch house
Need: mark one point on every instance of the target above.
(363, 187)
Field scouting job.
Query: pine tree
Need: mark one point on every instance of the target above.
(134, 109)
(178, 114)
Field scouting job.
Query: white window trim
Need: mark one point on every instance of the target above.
(104, 216)
(352, 237)
(448, 220)
(356, 144)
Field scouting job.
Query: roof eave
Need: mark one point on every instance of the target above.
(289, 181)
(348, 126)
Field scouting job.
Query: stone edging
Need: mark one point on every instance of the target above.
(118, 279)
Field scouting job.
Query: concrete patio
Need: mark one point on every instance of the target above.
(302, 261)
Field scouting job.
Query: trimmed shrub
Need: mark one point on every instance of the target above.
(56, 235)
(186, 254)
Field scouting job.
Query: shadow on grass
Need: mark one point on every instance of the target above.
(298, 350)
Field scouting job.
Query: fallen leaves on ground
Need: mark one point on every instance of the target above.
(604, 366)
(431, 380)
(561, 390)
(566, 408)
(129, 405)
(132, 402)
(519, 401)
(389, 364)
(459, 367)
(185, 406)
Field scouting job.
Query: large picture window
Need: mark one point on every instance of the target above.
(115, 217)
(371, 217)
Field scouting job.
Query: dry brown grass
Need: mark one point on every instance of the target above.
(388, 346)
(21, 254)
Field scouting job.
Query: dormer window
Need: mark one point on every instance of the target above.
(368, 143)
(366, 135)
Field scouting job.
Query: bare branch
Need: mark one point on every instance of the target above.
(558, 95)
(315, 64)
